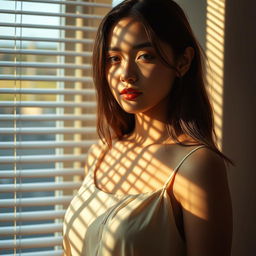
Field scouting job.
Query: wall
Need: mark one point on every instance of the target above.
(240, 119)
(196, 14)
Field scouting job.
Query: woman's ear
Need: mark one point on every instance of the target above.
(185, 60)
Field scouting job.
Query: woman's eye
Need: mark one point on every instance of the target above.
(113, 59)
(146, 57)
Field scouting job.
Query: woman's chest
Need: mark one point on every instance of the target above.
(133, 171)
(96, 218)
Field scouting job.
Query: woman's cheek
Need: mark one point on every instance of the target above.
(149, 71)
(112, 77)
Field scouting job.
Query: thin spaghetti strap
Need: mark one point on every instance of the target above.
(178, 166)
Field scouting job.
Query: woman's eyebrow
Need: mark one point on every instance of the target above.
(135, 47)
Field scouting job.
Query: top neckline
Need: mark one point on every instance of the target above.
(149, 193)
(93, 173)
(162, 189)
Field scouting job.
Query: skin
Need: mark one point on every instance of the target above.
(130, 65)
(134, 165)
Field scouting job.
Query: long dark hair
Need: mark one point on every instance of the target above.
(189, 109)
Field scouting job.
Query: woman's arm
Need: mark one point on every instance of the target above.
(201, 187)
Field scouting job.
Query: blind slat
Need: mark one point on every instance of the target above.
(31, 229)
(41, 253)
(77, 3)
(49, 117)
(46, 144)
(40, 173)
(49, 130)
(46, 52)
(39, 186)
(48, 104)
(46, 78)
(47, 39)
(50, 14)
(32, 216)
(47, 91)
(43, 65)
(31, 242)
(41, 159)
(42, 26)
(36, 201)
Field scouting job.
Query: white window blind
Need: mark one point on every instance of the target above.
(47, 117)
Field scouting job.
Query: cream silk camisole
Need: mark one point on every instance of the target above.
(99, 223)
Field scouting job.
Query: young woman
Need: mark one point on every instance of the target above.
(156, 182)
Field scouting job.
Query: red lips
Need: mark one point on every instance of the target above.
(130, 93)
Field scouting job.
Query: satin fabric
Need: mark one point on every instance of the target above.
(98, 223)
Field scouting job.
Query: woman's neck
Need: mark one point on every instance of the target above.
(149, 130)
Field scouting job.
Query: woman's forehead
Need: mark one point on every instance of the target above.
(126, 33)
(129, 33)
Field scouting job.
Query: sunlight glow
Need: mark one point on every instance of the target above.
(215, 21)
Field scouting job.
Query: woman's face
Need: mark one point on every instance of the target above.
(137, 78)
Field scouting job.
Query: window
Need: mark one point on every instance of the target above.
(47, 117)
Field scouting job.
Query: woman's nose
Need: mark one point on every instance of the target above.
(128, 74)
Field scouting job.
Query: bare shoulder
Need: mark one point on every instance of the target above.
(201, 165)
(201, 176)
(94, 151)
(201, 188)
(202, 162)
(93, 154)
